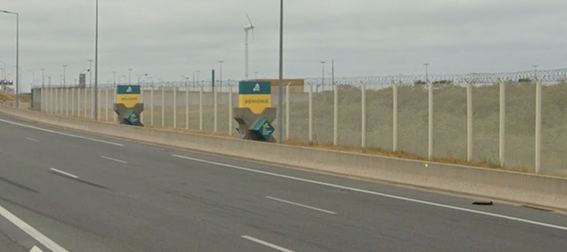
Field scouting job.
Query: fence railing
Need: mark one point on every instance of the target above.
(510, 120)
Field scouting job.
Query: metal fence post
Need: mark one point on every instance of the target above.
(162, 106)
(287, 111)
(201, 107)
(469, 121)
(395, 117)
(152, 106)
(363, 110)
(174, 107)
(215, 108)
(230, 109)
(336, 116)
(310, 113)
(430, 120)
(186, 107)
(502, 144)
(538, 125)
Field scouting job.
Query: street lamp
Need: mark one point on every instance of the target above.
(129, 75)
(90, 73)
(280, 86)
(323, 75)
(140, 76)
(17, 55)
(43, 78)
(64, 75)
(426, 71)
(95, 109)
(220, 79)
(33, 77)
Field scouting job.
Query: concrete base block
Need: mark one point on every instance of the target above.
(122, 111)
(246, 121)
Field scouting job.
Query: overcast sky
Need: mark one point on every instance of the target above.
(170, 38)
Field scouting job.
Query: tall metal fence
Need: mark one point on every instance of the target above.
(513, 120)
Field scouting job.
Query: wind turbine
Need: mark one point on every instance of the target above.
(247, 28)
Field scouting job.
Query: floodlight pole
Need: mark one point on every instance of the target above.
(17, 56)
(95, 109)
(280, 84)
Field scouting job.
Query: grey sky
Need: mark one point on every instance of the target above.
(170, 38)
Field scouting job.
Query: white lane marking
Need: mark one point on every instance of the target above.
(113, 159)
(267, 244)
(35, 249)
(379, 194)
(301, 205)
(31, 231)
(33, 140)
(61, 133)
(64, 173)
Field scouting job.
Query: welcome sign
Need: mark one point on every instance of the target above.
(255, 95)
(128, 95)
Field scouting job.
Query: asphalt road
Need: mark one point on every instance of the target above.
(70, 191)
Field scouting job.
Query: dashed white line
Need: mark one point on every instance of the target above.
(32, 139)
(31, 231)
(64, 173)
(378, 194)
(301, 205)
(114, 159)
(61, 133)
(267, 244)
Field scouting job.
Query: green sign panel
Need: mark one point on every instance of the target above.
(128, 89)
(254, 87)
(263, 129)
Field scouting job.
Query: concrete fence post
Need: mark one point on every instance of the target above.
(72, 102)
(430, 121)
(162, 106)
(215, 109)
(79, 102)
(86, 102)
(502, 144)
(395, 116)
(287, 111)
(66, 101)
(538, 115)
(230, 110)
(310, 113)
(174, 107)
(51, 102)
(99, 107)
(114, 116)
(152, 106)
(187, 107)
(469, 121)
(92, 103)
(363, 116)
(56, 101)
(201, 107)
(336, 115)
(106, 104)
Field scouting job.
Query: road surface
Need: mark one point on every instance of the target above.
(62, 190)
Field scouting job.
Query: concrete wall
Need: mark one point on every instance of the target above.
(525, 188)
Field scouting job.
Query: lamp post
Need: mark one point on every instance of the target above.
(323, 75)
(280, 84)
(17, 55)
(64, 75)
(90, 73)
(220, 77)
(33, 77)
(43, 78)
(129, 75)
(95, 108)
(140, 76)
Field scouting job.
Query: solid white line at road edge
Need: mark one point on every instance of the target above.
(301, 205)
(378, 194)
(113, 159)
(267, 244)
(61, 133)
(64, 173)
(31, 231)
